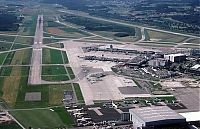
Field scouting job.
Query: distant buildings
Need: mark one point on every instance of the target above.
(148, 117)
(175, 57)
(195, 52)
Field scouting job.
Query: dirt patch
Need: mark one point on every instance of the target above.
(11, 86)
(54, 30)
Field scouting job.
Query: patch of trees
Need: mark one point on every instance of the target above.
(190, 19)
(94, 25)
(121, 34)
(9, 22)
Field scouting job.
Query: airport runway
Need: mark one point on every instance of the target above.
(36, 60)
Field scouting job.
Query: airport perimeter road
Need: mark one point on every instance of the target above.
(36, 60)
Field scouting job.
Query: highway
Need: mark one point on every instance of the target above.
(36, 60)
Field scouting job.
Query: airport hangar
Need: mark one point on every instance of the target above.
(155, 116)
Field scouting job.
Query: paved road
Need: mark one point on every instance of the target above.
(36, 60)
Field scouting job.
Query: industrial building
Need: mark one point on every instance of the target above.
(175, 57)
(159, 62)
(154, 116)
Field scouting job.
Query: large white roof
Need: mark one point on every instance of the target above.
(177, 54)
(196, 66)
(191, 116)
(157, 113)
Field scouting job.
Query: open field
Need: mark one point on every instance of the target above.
(52, 56)
(5, 46)
(54, 73)
(7, 38)
(53, 70)
(54, 36)
(9, 58)
(65, 58)
(18, 46)
(163, 37)
(51, 40)
(11, 125)
(24, 40)
(56, 45)
(28, 26)
(70, 72)
(43, 118)
(194, 41)
(11, 86)
(5, 71)
(21, 57)
(2, 57)
(78, 93)
(56, 93)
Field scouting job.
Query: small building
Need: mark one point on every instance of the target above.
(175, 57)
(154, 116)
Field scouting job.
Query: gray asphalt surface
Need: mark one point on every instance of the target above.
(36, 60)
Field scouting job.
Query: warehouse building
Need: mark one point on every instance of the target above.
(148, 117)
(175, 57)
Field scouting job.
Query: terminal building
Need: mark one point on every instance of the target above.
(155, 117)
(175, 57)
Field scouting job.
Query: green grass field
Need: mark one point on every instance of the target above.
(56, 45)
(5, 71)
(194, 41)
(50, 40)
(2, 57)
(24, 40)
(70, 72)
(5, 46)
(78, 93)
(53, 70)
(56, 93)
(52, 56)
(44, 118)
(22, 57)
(9, 58)
(48, 35)
(57, 73)
(18, 46)
(11, 125)
(163, 37)
(65, 58)
(29, 25)
(51, 95)
(7, 38)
